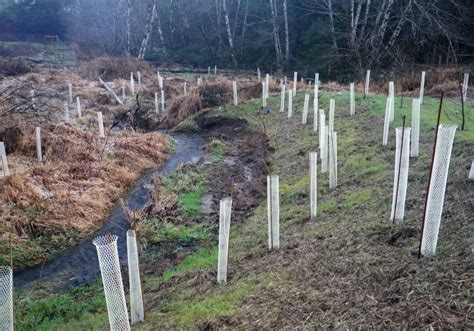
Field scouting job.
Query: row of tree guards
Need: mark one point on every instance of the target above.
(407, 145)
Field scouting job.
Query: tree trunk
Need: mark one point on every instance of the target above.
(287, 35)
(162, 38)
(244, 26)
(275, 35)
(148, 31)
(129, 9)
(229, 33)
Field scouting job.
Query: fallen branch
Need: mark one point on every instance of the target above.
(108, 88)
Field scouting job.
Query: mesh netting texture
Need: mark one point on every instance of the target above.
(6, 299)
(400, 181)
(437, 189)
(224, 229)
(273, 205)
(136, 299)
(112, 280)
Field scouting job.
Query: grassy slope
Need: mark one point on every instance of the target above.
(351, 267)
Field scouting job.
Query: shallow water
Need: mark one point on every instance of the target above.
(79, 265)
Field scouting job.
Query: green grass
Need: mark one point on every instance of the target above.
(203, 258)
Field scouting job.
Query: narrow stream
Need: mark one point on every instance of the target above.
(78, 265)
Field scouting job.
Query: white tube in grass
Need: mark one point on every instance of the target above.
(224, 231)
(162, 100)
(422, 86)
(471, 172)
(112, 281)
(162, 84)
(273, 210)
(100, 119)
(295, 82)
(185, 88)
(259, 76)
(437, 189)
(324, 151)
(465, 86)
(66, 112)
(267, 86)
(332, 160)
(313, 173)
(415, 128)
(386, 123)
(136, 298)
(367, 83)
(139, 78)
(305, 109)
(199, 81)
(264, 99)
(400, 181)
(39, 152)
(282, 98)
(391, 93)
(78, 107)
(6, 299)
(234, 89)
(290, 103)
(3, 152)
(315, 114)
(70, 93)
(332, 109)
(352, 97)
(285, 80)
(157, 104)
(322, 124)
(215, 70)
(208, 71)
(132, 84)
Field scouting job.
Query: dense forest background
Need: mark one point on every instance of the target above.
(335, 37)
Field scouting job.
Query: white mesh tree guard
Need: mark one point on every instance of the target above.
(112, 280)
(215, 70)
(422, 86)
(465, 86)
(290, 103)
(333, 160)
(471, 172)
(136, 298)
(162, 101)
(352, 101)
(325, 151)
(386, 123)
(39, 152)
(322, 123)
(316, 85)
(295, 82)
(185, 88)
(234, 89)
(267, 86)
(391, 93)
(132, 84)
(224, 230)
(78, 107)
(259, 76)
(264, 97)
(139, 78)
(6, 170)
(315, 114)
(313, 173)
(367, 82)
(123, 92)
(6, 299)
(415, 128)
(437, 189)
(282, 98)
(273, 206)
(332, 109)
(304, 120)
(100, 119)
(400, 181)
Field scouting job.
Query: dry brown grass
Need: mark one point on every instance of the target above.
(110, 68)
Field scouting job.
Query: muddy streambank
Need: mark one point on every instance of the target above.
(240, 174)
(78, 265)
